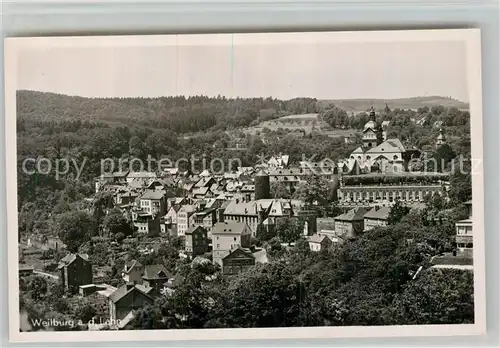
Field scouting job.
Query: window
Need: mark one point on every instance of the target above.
(234, 239)
(218, 245)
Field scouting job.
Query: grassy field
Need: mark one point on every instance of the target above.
(300, 123)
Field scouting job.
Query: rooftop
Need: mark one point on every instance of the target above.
(378, 213)
(152, 194)
(230, 228)
(155, 272)
(353, 214)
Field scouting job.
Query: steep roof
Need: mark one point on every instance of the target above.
(152, 194)
(191, 229)
(241, 251)
(352, 215)
(154, 272)
(124, 290)
(358, 150)
(141, 175)
(68, 259)
(381, 213)
(131, 265)
(390, 146)
(318, 238)
(230, 228)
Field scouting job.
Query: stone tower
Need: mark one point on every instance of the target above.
(262, 186)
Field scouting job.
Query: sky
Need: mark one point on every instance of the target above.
(285, 70)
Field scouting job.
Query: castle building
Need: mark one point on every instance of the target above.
(380, 189)
(379, 154)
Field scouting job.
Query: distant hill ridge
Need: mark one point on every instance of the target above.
(196, 113)
(358, 105)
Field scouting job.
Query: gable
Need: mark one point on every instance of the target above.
(134, 298)
(239, 254)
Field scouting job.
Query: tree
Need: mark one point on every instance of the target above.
(316, 191)
(269, 296)
(279, 190)
(149, 318)
(444, 296)
(85, 313)
(115, 222)
(263, 233)
(443, 155)
(460, 187)
(75, 228)
(289, 230)
(397, 212)
(37, 287)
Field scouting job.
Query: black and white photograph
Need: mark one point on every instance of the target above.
(313, 184)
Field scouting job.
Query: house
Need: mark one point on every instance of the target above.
(153, 202)
(183, 218)
(205, 182)
(236, 261)
(350, 224)
(154, 277)
(326, 226)
(196, 241)
(146, 225)
(318, 242)
(141, 176)
(206, 218)
(280, 161)
(464, 237)
(132, 272)
(171, 216)
(376, 217)
(227, 236)
(201, 192)
(127, 298)
(255, 212)
(75, 270)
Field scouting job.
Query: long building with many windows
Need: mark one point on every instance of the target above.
(386, 188)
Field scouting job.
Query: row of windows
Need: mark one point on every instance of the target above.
(248, 219)
(387, 194)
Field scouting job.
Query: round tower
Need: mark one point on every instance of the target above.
(262, 185)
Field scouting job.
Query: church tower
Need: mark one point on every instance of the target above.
(441, 140)
(372, 132)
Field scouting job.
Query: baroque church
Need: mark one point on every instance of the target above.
(378, 154)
